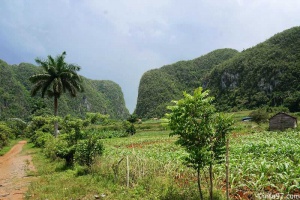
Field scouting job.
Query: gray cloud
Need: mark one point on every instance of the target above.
(120, 40)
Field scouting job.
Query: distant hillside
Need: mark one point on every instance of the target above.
(265, 75)
(159, 86)
(102, 96)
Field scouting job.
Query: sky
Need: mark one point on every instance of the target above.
(119, 40)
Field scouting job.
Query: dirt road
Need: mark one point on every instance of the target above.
(13, 167)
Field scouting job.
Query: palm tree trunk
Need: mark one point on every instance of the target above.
(55, 114)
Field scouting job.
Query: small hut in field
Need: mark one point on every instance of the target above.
(282, 121)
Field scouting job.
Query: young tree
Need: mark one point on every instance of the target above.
(58, 77)
(132, 119)
(201, 131)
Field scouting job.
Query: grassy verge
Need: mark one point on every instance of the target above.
(6, 149)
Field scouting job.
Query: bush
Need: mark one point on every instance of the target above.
(17, 125)
(5, 134)
(71, 144)
(87, 150)
(60, 148)
(40, 138)
(259, 116)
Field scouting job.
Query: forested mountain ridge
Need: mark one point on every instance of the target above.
(101, 96)
(267, 74)
(159, 86)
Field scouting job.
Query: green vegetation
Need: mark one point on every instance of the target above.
(259, 116)
(57, 78)
(260, 162)
(99, 156)
(264, 75)
(202, 132)
(159, 86)
(15, 102)
(5, 134)
(73, 144)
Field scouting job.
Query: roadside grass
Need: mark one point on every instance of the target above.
(6, 149)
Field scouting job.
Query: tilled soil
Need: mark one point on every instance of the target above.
(13, 168)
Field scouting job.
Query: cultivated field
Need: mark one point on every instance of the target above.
(149, 165)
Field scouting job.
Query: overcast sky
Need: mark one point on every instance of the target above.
(119, 40)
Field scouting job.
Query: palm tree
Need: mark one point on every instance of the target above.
(58, 77)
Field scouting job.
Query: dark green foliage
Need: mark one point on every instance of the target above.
(37, 128)
(131, 129)
(132, 118)
(5, 134)
(18, 126)
(73, 144)
(57, 77)
(259, 116)
(267, 74)
(15, 100)
(201, 131)
(97, 118)
(159, 86)
(88, 149)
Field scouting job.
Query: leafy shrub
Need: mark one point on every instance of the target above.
(60, 148)
(131, 130)
(39, 123)
(17, 125)
(72, 140)
(259, 116)
(40, 131)
(277, 109)
(87, 150)
(40, 138)
(5, 134)
(94, 118)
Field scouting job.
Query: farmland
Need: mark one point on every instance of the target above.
(262, 163)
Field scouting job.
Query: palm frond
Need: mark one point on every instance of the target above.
(74, 67)
(35, 88)
(38, 77)
(51, 61)
(46, 86)
(60, 61)
(59, 77)
(42, 63)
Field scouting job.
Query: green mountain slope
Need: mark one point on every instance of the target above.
(267, 74)
(159, 86)
(103, 96)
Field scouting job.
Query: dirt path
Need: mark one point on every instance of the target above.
(13, 167)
